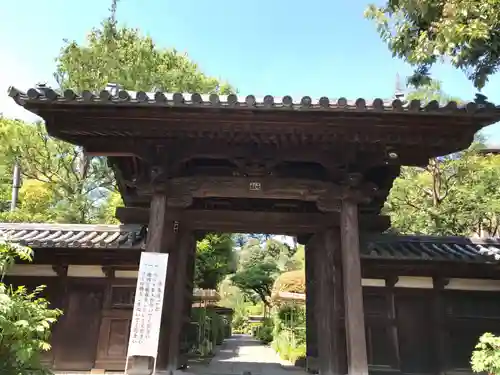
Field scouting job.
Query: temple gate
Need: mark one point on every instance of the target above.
(317, 169)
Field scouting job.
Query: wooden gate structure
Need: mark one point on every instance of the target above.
(317, 169)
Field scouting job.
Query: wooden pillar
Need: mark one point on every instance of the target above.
(157, 239)
(188, 303)
(327, 320)
(175, 299)
(438, 326)
(60, 303)
(357, 362)
(311, 329)
(390, 284)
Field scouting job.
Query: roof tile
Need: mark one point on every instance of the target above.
(387, 247)
(306, 103)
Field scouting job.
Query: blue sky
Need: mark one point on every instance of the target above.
(261, 47)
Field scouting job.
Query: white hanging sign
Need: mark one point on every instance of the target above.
(148, 305)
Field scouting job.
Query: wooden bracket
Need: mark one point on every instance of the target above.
(109, 272)
(61, 270)
(440, 283)
(391, 281)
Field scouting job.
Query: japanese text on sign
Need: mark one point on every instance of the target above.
(148, 304)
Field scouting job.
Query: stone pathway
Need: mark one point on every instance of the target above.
(242, 353)
(237, 356)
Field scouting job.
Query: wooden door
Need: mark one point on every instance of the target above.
(413, 309)
(113, 339)
(115, 328)
(79, 328)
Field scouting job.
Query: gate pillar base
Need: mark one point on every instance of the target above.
(312, 365)
(140, 366)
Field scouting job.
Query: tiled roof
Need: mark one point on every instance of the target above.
(74, 235)
(431, 248)
(306, 103)
(388, 247)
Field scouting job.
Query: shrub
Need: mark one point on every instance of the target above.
(486, 356)
(265, 332)
(25, 321)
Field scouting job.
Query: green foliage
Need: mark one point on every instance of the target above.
(123, 55)
(211, 329)
(429, 92)
(286, 345)
(464, 32)
(256, 281)
(214, 260)
(486, 356)
(60, 183)
(452, 195)
(9, 252)
(25, 321)
(456, 195)
(290, 332)
(106, 213)
(264, 333)
(258, 266)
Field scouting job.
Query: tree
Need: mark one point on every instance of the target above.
(452, 195)
(122, 55)
(465, 33)
(82, 189)
(25, 320)
(258, 266)
(66, 186)
(214, 260)
(256, 280)
(430, 92)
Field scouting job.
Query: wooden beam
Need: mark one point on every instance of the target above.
(249, 221)
(248, 187)
(357, 361)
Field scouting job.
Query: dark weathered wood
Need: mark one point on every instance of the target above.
(158, 230)
(77, 351)
(248, 187)
(157, 223)
(175, 297)
(188, 302)
(248, 221)
(113, 339)
(326, 244)
(353, 293)
(438, 326)
(59, 300)
(311, 330)
(414, 318)
(391, 314)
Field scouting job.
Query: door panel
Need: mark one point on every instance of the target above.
(79, 328)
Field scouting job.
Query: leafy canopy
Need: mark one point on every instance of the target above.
(465, 33)
(59, 182)
(214, 260)
(453, 195)
(260, 263)
(115, 54)
(456, 195)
